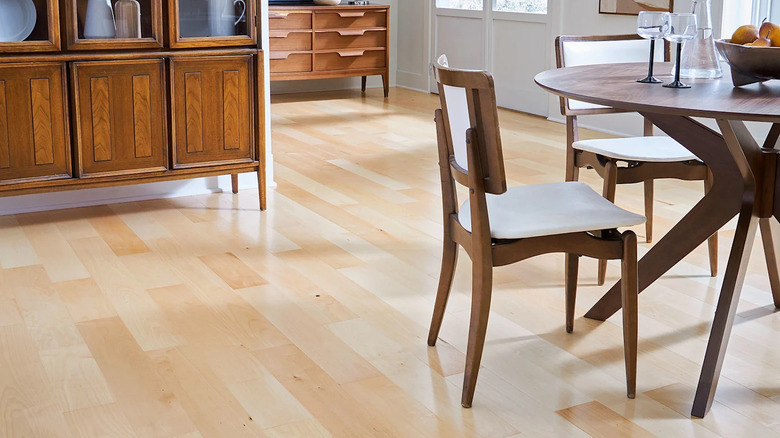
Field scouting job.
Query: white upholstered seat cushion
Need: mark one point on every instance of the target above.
(651, 149)
(547, 209)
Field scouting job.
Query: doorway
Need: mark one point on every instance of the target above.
(509, 38)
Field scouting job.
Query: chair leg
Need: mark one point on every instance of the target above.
(629, 292)
(572, 134)
(572, 263)
(448, 261)
(649, 210)
(608, 191)
(712, 241)
(481, 288)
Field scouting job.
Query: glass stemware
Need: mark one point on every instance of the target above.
(652, 25)
(682, 27)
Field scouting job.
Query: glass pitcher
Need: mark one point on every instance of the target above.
(699, 58)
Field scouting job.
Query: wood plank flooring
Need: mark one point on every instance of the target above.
(202, 316)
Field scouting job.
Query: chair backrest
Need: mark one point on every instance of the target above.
(574, 50)
(468, 107)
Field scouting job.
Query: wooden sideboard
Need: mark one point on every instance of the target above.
(179, 101)
(316, 42)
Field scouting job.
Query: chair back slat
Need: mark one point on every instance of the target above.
(468, 101)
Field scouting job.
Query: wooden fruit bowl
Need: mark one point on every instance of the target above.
(750, 64)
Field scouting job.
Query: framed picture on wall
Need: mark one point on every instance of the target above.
(632, 7)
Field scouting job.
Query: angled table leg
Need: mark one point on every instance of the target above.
(740, 142)
(770, 237)
(725, 311)
(770, 228)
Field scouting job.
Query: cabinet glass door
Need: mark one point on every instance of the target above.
(29, 26)
(114, 24)
(202, 23)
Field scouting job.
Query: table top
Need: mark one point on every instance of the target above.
(615, 85)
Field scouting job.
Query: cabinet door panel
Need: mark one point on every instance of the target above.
(212, 23)
(34, 140)
(5, 158)
(212, 110)
(45, 33)
(142, 116)
(120, 116)
(40, 97)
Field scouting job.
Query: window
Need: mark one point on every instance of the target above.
(530, 6)
(473, 5)
(739, 12)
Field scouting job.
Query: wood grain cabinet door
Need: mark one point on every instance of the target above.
(34, 139)
(120, 117)
(212, 110)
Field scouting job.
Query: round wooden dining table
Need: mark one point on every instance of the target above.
(745, 180)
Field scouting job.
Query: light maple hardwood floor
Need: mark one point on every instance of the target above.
(202, 316)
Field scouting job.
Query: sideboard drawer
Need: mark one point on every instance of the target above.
(289, 20)
(286, 62)
(286, 39)
(350, 18)
(349, 59)
(349, 38)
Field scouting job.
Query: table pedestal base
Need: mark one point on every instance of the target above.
(744, 182)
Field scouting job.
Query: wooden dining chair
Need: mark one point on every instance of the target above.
(497, 225)
(624, 160)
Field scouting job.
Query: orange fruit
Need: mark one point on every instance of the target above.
(744, 34)
(760, 42)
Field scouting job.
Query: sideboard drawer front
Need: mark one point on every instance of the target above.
(350, 38)
(284, 39)
(34, 134)
(212, 110)
(289, 20)
(350, 18)
(285, 62)
(120, 116)
(349, 60)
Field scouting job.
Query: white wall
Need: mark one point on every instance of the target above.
(414, 44)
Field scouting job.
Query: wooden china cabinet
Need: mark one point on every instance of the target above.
(183, 99)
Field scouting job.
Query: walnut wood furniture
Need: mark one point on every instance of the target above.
(498, 225)
(175, 103)
(627, 160)
(317, 42)
(745, 181)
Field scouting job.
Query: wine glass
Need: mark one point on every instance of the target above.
(682, 27)
(651, 25)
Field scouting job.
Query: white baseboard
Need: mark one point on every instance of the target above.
(405, 87)
(129, 193)
(412, 81)
(593, 127)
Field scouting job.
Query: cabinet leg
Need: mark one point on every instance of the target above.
(261, 189)
(386, 84)
(234, 182)
(363, 84)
